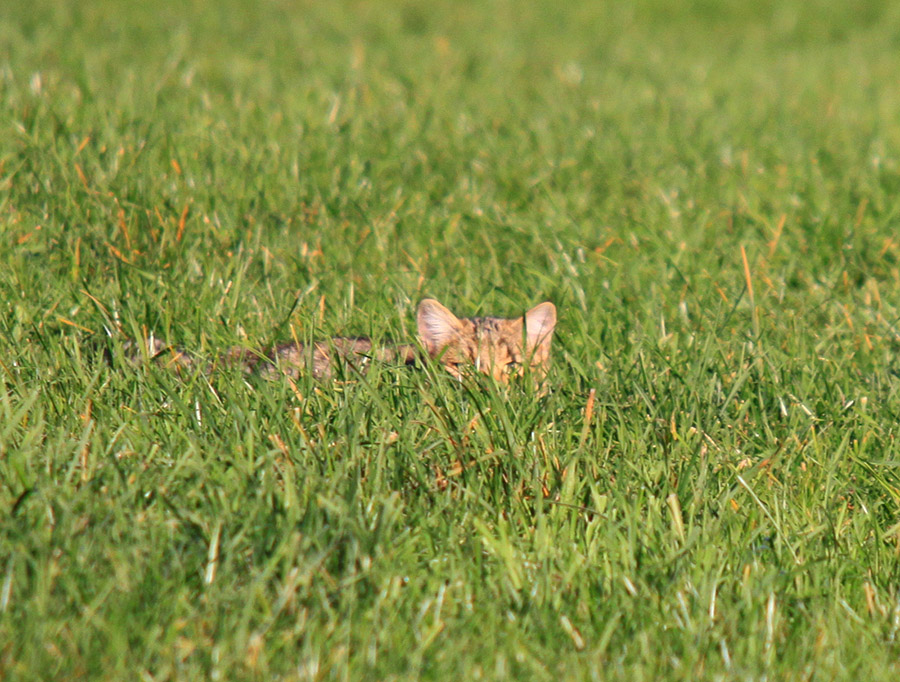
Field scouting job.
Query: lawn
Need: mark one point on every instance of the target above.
(708, 191)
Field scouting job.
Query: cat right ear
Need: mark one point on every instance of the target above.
(540, 322)
(437, 326)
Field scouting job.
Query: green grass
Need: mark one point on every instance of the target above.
(709, 191)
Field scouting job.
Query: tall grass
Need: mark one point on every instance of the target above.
(709, 193)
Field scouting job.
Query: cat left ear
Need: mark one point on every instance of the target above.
(437, 326)
(540, 322)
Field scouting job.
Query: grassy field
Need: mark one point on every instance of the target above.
(709, 192)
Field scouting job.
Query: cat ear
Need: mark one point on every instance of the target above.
(540, 322)
(437, 326)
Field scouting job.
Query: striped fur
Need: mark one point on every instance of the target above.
(499, 347)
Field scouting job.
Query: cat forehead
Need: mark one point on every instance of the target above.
(489, 325)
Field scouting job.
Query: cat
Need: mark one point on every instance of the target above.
(499, 347)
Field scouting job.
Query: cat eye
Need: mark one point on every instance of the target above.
(512, 366)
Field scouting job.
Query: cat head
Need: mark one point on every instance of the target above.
(496, 346)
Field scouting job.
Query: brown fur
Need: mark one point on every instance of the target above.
(495, 346)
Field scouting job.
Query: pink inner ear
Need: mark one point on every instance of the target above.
(437, 326)
(540, 322)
